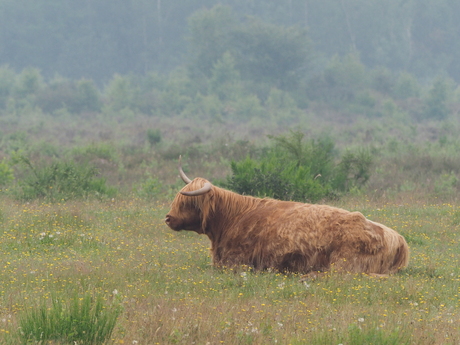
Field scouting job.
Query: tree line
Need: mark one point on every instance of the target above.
(96, 39)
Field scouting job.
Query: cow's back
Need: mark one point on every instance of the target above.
(300, 237)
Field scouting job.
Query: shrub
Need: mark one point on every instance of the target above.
(225, 81)
(269, 178)
(60, 93)
(294, 170)
(317, 154)
(281, 105)
(247, 107)
(352, 171)
(76, 97)
(341, 80)
(29, 82)
(150, 188)
(88, 98)
(435, 103)
(15, 141)
(6, 173)
(205, 106)
(382, 80)
(119, 93)
(446, 185)
(7, 81)
(176, 94)
(153, 136)
(61, 180)
(406, 86)
(95, 151)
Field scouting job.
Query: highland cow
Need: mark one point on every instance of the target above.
(283, 235)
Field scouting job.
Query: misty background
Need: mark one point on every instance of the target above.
(96, 39)
(369, 89)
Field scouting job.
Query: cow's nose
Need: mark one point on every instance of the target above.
(167, 219)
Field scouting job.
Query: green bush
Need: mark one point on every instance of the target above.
(280, 105)
(85, 320)
(177, 93)
(76, 97)
(7, 81)
(150, 188)
(269, 178)
(340, 82)
(6, 173)
(225, 81)
(15, 141)
(445, 185)
(119, 93)
(93, 151)
(435, 103)
(205, 107)
(406, 86)
(61, 180)
(382, 80)
(294, 170)
(247, 107)
(352, 171)
(317, 154)
(28, 83)
(153, 136)
(88, 98)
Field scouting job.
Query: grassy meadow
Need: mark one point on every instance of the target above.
(114, 257)
(121, 251)
(87, 174)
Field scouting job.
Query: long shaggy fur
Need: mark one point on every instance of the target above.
(287, 236)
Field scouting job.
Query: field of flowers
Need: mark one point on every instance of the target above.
(121, 251)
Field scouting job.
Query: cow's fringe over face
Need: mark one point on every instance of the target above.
(218, 204)
(200, 206)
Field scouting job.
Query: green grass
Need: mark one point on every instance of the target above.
(171, 295)
(80, 320)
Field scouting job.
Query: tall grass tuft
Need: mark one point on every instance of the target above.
(83, 320)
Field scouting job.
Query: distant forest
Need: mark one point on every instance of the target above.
(99, 38)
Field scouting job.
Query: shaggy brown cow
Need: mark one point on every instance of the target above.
(284, 235)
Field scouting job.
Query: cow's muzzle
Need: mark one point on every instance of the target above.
(171, 223)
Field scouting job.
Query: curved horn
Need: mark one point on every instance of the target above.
(182, 174)
(203, 190)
